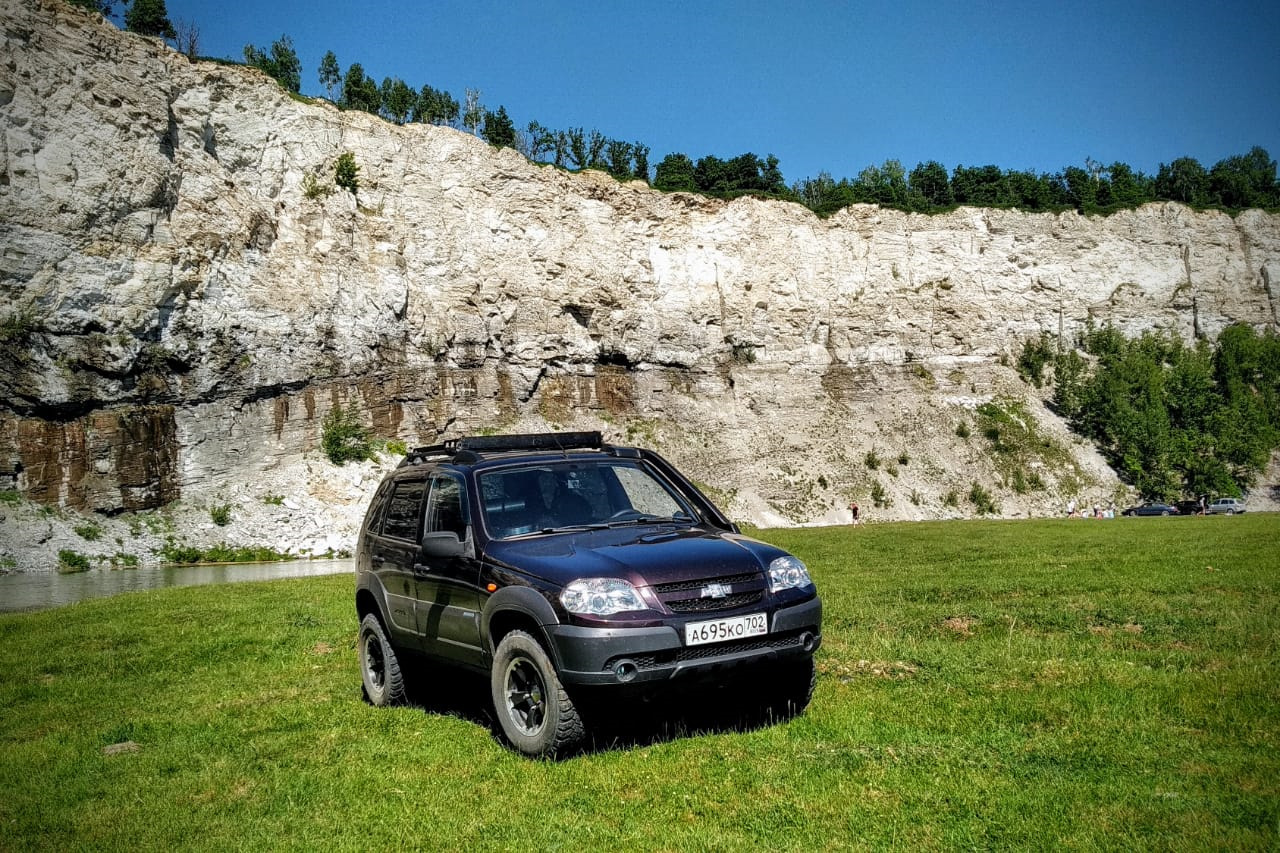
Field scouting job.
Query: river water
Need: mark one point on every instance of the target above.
(40, 590)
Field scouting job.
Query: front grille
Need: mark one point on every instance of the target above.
(704, 605)
(774, 642)
(685, 586)
(691, 596)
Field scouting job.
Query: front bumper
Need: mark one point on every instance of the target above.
(600, 656)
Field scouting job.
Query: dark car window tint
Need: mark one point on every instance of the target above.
(403, 511)
(446, 509)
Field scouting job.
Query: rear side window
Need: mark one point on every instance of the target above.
(403, 510)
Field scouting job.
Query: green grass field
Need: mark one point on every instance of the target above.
(1031, 684)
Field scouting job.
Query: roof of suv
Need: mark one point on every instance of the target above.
(472, 450)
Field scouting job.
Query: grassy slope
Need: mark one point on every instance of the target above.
(1076, 683)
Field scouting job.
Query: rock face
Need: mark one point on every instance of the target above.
(184, 294)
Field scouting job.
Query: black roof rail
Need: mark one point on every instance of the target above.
(470, 448)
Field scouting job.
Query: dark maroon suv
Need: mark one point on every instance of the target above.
(560, 565)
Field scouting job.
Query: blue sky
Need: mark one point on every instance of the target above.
(824, 86)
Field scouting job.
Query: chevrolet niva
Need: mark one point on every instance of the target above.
(566, 568)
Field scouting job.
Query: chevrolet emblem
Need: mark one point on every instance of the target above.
(716, 590)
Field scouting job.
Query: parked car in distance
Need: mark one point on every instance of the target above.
(1152, 508)
(567, 570)
(1225, 506)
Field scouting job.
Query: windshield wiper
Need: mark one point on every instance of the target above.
(649, 518)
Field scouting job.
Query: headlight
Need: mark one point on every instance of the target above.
(601, 597)
(787, 573)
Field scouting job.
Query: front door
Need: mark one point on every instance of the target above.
(448, 587)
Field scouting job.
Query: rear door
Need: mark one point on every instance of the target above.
(449, 596)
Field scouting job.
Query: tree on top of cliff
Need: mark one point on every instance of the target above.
(498, 129)
(397, 99)
(360, 92)
(330, 74)
(282, 63)
(148, 18)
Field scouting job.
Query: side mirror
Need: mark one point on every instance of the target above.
(442, 545)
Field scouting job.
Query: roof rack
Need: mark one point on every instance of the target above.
(471, 448)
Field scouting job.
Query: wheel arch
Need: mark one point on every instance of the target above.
(518, 608)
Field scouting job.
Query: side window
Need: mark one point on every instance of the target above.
(645, 493)
(446, 510)
(403, 511)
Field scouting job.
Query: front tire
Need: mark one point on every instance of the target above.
(380, 669)
(535, 712)
(795, 686)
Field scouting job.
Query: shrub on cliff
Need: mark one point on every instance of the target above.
(343, 438)
(346, 172)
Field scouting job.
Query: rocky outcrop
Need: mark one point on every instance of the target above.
(184, 293)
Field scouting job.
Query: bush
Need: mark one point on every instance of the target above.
(962, 430)
(346, 173)
(982, 500)
(70, 561)
(871, 460)
(343, 438)
(221, 514)
(1036, 354)
(312, 188)
(89, 532)
(879, 496)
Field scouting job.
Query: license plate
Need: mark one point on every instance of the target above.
(719, 630)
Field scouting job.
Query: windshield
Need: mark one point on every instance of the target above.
(567, 495)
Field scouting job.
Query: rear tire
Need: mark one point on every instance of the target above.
(380, 670)
(535, 712)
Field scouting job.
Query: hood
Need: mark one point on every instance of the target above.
(644, 556)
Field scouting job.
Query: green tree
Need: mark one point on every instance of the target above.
(771, 176)
(346, 173)
(498, 128)
(560, 146)
(360, 92)
(618, 158)
(149, 18)
(1128, 189)
(536, 141)
(397, 99)
(577, 148)
(282, 63)
(595, 149)
(436, 106)
(1183, 180)
(343, 437)
(640, 155)
(330, 74)
(929, 183)
(675, 173)
(1173, 418)
(1239, 182)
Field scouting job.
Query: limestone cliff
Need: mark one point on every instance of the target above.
(184, 294)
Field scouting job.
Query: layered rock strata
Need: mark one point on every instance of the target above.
(185, 294)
